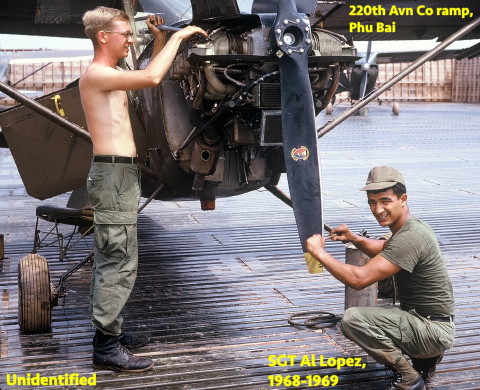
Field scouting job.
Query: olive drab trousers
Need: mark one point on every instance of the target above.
(114, 193)
(386, 333)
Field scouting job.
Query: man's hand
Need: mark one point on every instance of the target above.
(342, 233)
(160, 35)
(188, 31)
(314, 243)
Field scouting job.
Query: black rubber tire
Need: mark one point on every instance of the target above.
(34, 294)
(396, 108)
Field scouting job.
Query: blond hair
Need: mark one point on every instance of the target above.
(101, 18)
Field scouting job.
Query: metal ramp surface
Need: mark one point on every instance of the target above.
(215, 289)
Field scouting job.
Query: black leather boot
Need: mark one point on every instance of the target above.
(129, 340)
(405, 377)
(109, 354)
(397, 383)
(426, 367)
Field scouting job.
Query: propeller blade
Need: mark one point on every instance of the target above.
(369, 50)
(363, 84)
(291, 37)
(206, 9)
(366, 67)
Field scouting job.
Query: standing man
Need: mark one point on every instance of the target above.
(423, 327)
(113, 180)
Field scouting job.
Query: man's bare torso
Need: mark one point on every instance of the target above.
(107, 117)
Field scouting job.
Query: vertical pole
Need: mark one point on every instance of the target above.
(366, 296)
(2, 247)
(135, 50)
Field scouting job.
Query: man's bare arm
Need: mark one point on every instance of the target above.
(371, 247)
(114, 80)
(160, 36)
(378, 268)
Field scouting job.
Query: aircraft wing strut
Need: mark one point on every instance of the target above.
(46, 112)
(330, 125)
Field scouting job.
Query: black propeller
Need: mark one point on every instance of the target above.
(291, 42)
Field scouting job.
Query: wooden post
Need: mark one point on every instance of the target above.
(366, 296)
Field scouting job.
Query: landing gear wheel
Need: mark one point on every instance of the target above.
(34, 294)
(396, 108)
(363, 111)
(329, 109)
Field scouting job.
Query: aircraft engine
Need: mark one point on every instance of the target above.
(227, 46)
(220, 105)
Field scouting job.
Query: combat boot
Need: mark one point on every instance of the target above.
(109, 354)
(426, 367)
(405, 377)
(129, 340)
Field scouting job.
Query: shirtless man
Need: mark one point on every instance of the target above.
(113, 180)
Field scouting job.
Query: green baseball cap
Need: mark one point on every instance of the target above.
(382, 177)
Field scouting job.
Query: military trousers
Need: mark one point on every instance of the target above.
(114, 193)
(387, 333)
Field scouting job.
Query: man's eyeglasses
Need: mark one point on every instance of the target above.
(126, 34)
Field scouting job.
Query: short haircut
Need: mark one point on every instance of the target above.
(101, 18)
(398, 189)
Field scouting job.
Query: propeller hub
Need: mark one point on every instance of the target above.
(293, 36)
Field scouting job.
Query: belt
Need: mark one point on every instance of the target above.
(115, 159)
(441, 319)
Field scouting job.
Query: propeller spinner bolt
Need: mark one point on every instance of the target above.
(301, 50)
(289, 39)
(285, 21)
